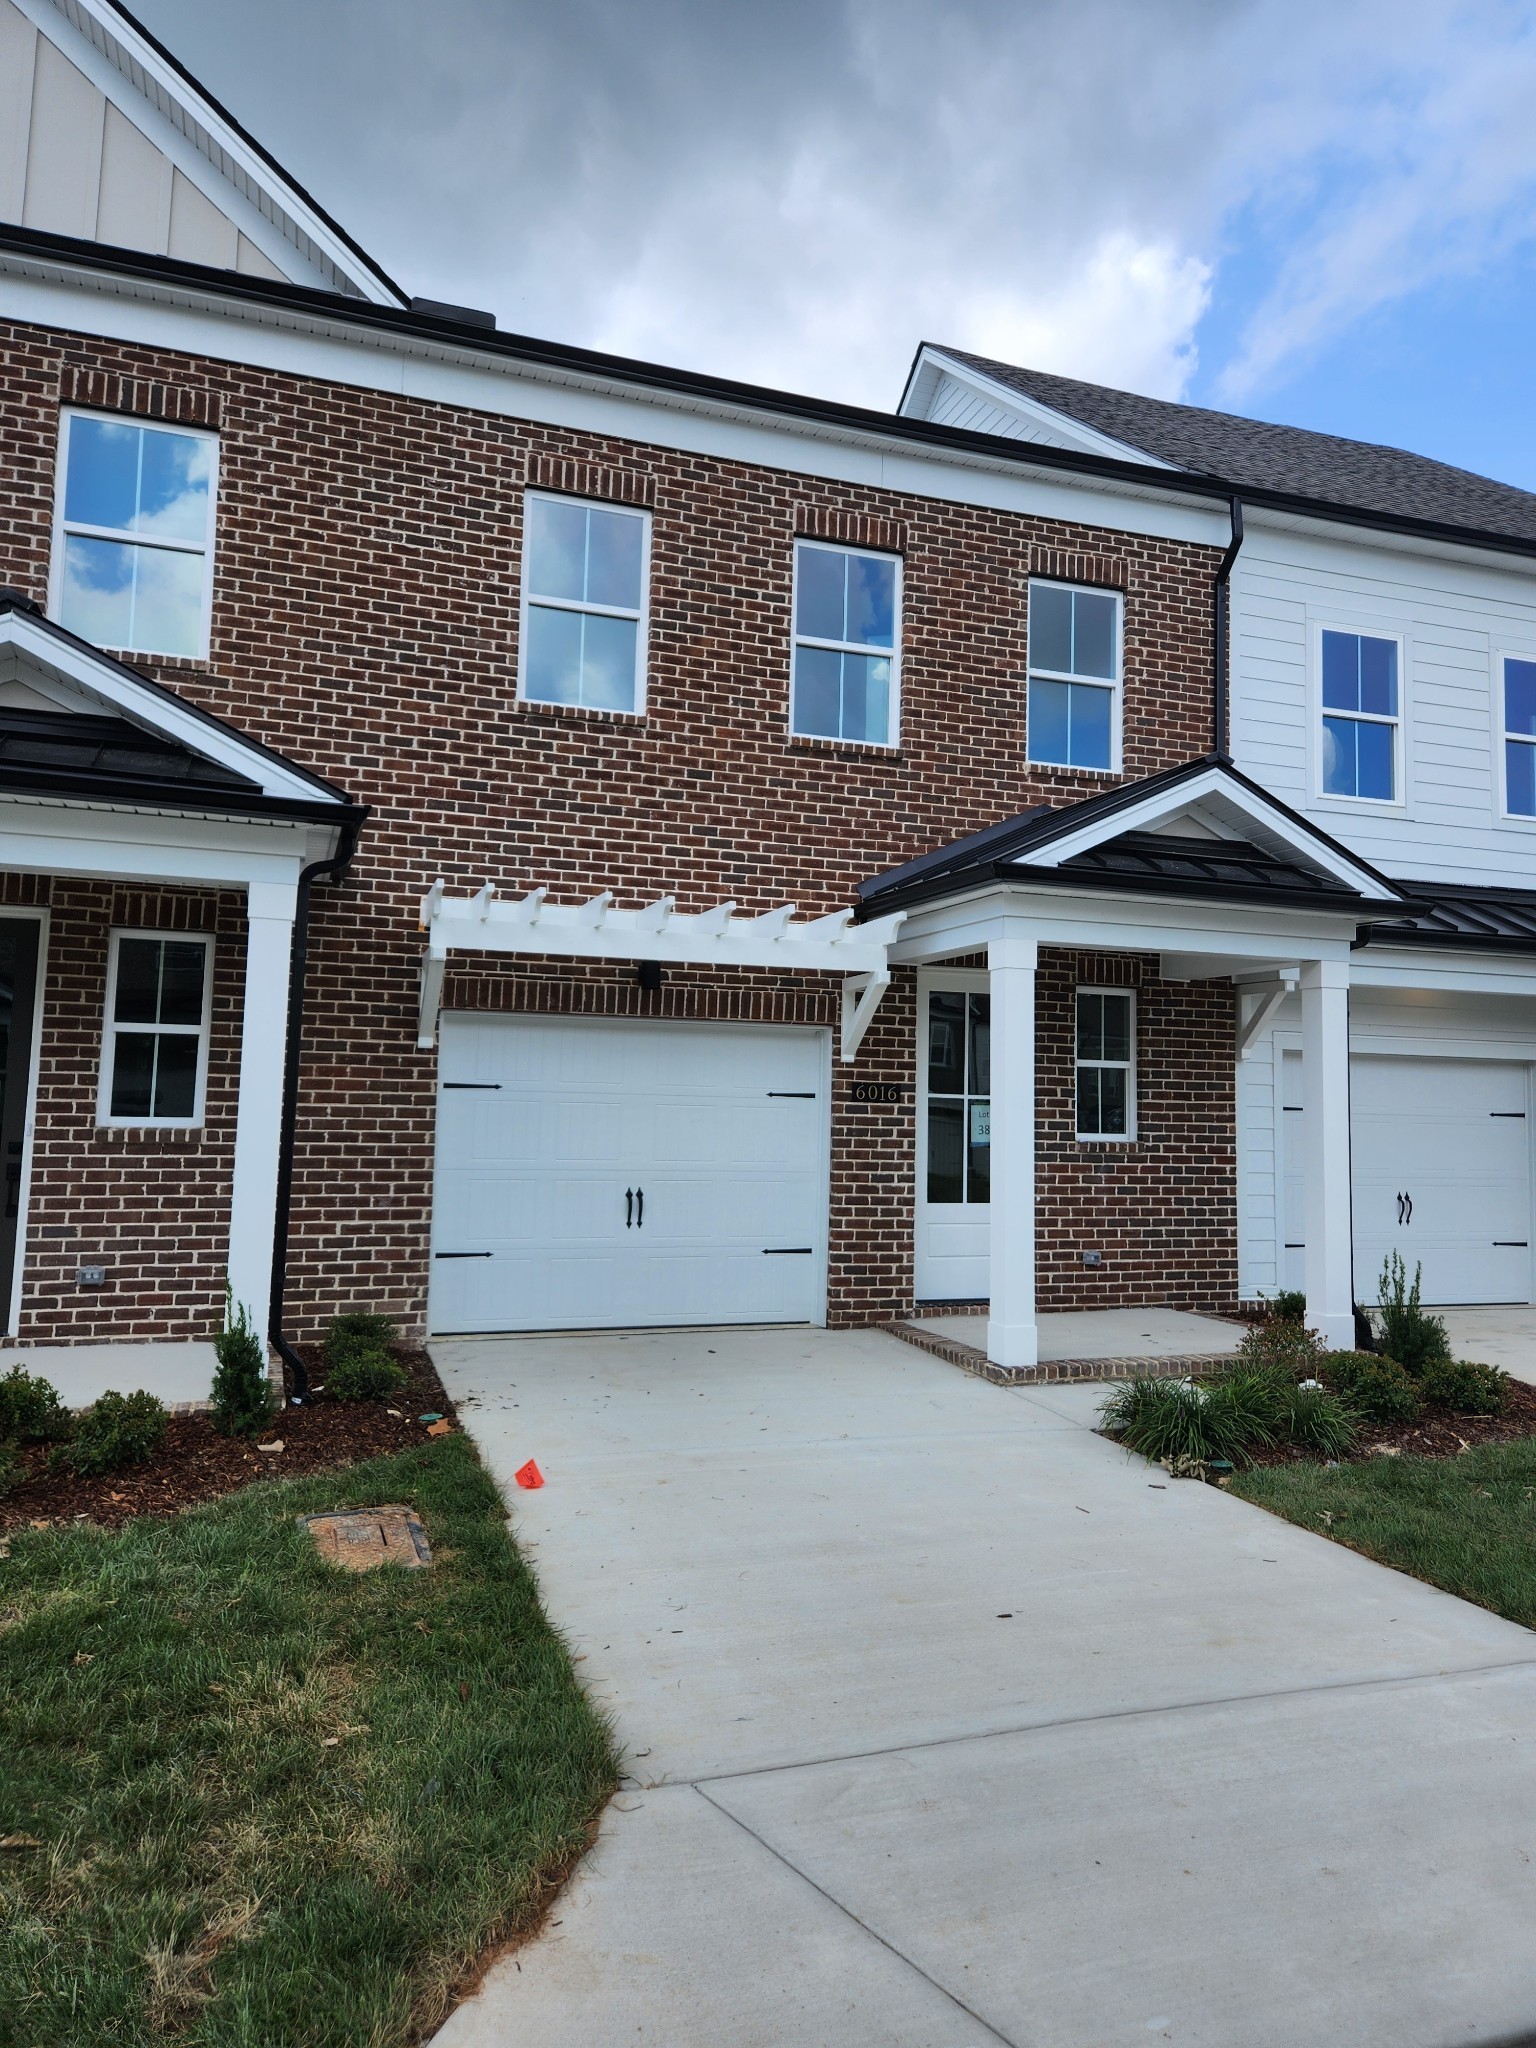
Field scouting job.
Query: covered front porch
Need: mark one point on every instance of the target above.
(1226, 888)
(152, 864)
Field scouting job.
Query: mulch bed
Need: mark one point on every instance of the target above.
(196, 1464)
(1434, 1434)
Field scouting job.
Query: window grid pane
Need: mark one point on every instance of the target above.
(151, 488)
(845, 619)
(156, 1029)
(1105, 1050)
(1073, 672)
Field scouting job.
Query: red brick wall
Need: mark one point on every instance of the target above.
(1162, 1208)
(152, 1206)
(365, 622)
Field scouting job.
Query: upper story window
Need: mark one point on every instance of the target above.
(1520, 737)
(585, 575)
(1106, 1063)
(1361, 716)
(133, 534)
(1074, 676)
(847, 652)
(154, 1055)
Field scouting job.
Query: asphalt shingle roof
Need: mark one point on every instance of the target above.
(1257, 455)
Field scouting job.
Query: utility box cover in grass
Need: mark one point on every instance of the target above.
(358, 1539)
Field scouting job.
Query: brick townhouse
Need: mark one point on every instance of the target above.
(521, 839)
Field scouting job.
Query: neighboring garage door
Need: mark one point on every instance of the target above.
(610, 1173)
(1442, 1174)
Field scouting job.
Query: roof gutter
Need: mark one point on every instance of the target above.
(334, 868)
(1221, 691)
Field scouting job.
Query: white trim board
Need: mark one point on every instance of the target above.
(75, 677)
(181, 122)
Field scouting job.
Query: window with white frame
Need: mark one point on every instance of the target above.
(585, 576)
(1361, 716)
(1074, 676)
(133, 534)
(154, 1056)
(1106, 1063)
(847, 611)
(1519, 737)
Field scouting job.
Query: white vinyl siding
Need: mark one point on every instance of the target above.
(1454, 623)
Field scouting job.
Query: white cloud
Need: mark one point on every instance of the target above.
(799, 193)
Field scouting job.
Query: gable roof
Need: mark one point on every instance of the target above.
(1128, 837)
(1258, 455)
(74, 722)
(104, 134)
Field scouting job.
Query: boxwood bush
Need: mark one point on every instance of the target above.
(115, 1431)
(1377, 1388)
(1465, 1387)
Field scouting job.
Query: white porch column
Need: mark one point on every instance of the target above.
(1325, 1098)
(1012, 1339)
(263, 1047)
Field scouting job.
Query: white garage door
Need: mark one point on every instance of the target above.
(596, 1173)
(1441, 1166)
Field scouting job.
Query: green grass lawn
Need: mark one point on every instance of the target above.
(1467, 1523)
(278, 1804)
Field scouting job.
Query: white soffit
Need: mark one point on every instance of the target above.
(206, 147)
(1036, 422)
(1220, 801)
(38, 663)
(595, 930)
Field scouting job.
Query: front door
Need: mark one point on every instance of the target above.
(954, 1138)
(18, 990)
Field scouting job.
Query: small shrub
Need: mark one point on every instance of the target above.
(1408, 1332)
(357, 1331)
(1376, 1388)
(1284, 1349)
(242, 1393)
(30, 1409)
(360, 1375)
(1464, 1387)
(1314, 1419)
(117, 1430)
(1288, 1306)
(10, 1468)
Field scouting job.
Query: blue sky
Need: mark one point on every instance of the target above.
(1318, 211)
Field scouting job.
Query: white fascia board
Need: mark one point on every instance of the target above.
(1218, 792)
(203, 146)
(49, 292)
(1108, 922)
(1453, 973)
(47, 837)
(1073, 433)
(112, 687)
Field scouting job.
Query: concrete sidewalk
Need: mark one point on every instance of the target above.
(948, 1723)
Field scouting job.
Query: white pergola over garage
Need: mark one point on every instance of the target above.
(531, 924)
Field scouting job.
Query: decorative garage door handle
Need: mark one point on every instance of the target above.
(1405, 1208)
(634, 1208)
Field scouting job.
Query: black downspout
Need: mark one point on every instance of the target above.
(335, 867)
(1219, 707)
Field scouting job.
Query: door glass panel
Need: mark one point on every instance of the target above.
(946, 1156)
(946, 1045)
(959, 1107)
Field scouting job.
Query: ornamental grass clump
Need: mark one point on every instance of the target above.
(358, 1364)
(115, 1431)
(242, 1393)
(1258, 1403)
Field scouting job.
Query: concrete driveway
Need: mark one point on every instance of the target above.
(950, 1724)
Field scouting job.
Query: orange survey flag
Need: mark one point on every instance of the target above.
(529, 1476)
